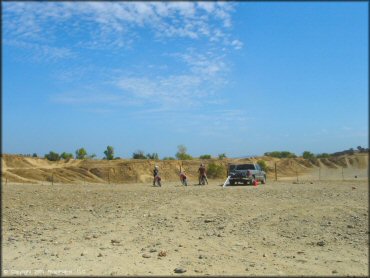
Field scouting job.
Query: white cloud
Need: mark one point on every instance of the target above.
(175, 90)
(40, 26)
(201, 78)
(186, 9)
(115, 20)
(204, 75)
(237, 44)
(209, 7)
(86, 97)
(217, 35)
(206, 64)
(42, 52)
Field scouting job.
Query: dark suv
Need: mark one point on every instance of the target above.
(246, 173)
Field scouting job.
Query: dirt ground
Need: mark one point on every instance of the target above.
(281, 228)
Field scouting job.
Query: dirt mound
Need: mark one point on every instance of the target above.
(36, 170)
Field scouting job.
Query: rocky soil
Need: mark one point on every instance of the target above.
(281, 228)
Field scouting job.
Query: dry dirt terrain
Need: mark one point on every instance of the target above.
(281, 228)
(125, 171)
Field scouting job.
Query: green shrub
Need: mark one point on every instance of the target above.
(66, 156)
(52, 156)
(184, 156)
(216, 171)
(109, 153)
(169, 158)
(308, 155)
(81, 153)
(34, 155)
(139, 155)
(263, 165)
(323, 155)
(154, 156)
(283, 154)
(205, 156)
(181, 154)
(222, 156)
(362, 150)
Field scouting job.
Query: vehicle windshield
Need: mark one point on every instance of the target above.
(232, 167)
(245, 167)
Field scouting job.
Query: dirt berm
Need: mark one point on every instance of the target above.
(38, 170)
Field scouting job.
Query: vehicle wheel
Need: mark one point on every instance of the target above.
(263, 181)
(232, 182)
(245, 182)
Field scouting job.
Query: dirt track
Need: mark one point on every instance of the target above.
(279, 228)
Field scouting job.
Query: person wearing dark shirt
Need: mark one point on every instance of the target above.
(155, 174)
(202, 173)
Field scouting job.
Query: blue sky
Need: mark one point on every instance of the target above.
(237, 78)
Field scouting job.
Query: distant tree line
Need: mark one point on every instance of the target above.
(140, 155)
(80, 153)
(283, 154)
(352, 151)
(311, 156)
(182, 154)
(27, 155)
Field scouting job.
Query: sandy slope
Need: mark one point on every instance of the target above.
(37, 170)
(279, 228)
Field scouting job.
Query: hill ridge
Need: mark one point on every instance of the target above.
(37, 170)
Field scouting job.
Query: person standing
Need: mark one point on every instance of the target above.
(156, 177)
(183, 178)
(202, 174)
